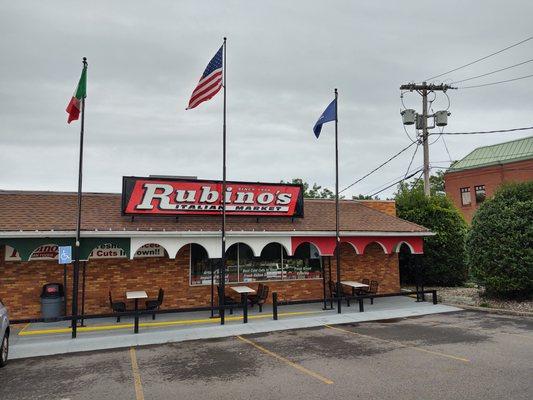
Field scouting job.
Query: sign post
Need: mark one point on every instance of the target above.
(65, 254)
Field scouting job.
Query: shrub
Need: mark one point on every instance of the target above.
(499, 245)
(444, 261)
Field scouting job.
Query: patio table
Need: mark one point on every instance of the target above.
(354, 285)
(243, 291)
(136, 295)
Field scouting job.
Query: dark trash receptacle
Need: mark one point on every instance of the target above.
(52, 299)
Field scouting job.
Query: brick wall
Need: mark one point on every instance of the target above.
(492, 177)
(21, 282)
(385, 206)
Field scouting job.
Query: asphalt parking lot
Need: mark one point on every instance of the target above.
(462, 355)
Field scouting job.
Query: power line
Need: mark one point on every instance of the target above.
(484, 132)
(446, 147)
(402, 176)
(407, 133)
(495, 83)
(395, 183)
(492, 72)
(480, 59)
(378, 167)
(411, 162)
(417, 179)
(525, 153)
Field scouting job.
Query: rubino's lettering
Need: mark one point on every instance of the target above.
(154, 196)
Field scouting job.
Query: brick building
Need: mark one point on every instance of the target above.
(293, 256)
(470, 181)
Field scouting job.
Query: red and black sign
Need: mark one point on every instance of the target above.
(164, 196)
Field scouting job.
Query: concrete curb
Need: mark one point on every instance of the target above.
(490, 310)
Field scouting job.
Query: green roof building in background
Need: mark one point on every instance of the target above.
(515, 150)
(468, 182)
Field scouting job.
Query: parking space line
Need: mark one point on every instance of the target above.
(139, 394)
(400, 344)
(288, 362)
(24, 328)
(480, 330)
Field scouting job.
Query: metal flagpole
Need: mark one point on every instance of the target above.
(337, 236)
(76, 272)
(83, 279)
(222, 279)
(211, 267)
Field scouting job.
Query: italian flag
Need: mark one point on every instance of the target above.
(74, 107)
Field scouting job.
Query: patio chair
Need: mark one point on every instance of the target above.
(333, 292)
(252, 298)
(260, 298)
(117, 306)
(365, 290)
(229, 301)
(155, 304)
(373, 289)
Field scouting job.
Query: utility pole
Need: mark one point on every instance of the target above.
(425, 139)
(440, 120)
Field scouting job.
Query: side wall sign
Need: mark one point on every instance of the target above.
(156, 196)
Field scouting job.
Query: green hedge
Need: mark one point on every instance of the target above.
(443, 262)
(499, 245)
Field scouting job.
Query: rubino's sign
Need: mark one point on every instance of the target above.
(156, 196)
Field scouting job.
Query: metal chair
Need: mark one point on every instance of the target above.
(334, 293)
(155, 304)
(261, 297)
(252, 298)
(365, 290)
(229, 301)
(373, 289)
(117, 306)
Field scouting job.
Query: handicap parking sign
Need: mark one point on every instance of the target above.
(65, 254)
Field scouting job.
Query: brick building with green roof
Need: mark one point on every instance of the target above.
(470, 180)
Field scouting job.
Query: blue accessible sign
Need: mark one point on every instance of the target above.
(65, 254)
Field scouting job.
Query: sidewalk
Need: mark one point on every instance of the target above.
(54, 338)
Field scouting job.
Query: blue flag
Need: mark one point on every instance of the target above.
(328, 115)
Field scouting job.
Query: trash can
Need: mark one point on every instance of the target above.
(52, 299)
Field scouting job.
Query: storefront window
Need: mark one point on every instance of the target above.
(305, 264)
(272, 264)
(200, 266)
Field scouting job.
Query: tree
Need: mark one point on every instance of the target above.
(364, 197)
(500, 243)
(436, 183)
(315, 192)
(443, 261)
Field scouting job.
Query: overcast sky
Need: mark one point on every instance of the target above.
(284, 58)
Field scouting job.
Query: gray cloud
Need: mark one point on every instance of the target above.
(284, 59)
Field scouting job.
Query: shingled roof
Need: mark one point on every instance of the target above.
(46, 211)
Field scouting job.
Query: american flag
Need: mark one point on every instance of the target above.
(210, 82)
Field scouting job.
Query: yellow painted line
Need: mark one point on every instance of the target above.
(96, 328)
(481, 330)
(139, 394)
(400, 344)
(288, 362)
(24, 328)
